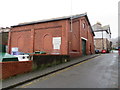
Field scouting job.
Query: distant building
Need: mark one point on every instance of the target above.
(4, 38)
(115, 43)
(102, 39)
(65, 35)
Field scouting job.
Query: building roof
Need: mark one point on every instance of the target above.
(56, 19)
(7, 29)
(107, 27)
(98, 27)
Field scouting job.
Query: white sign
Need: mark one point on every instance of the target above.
(14, 49)
(56, 42)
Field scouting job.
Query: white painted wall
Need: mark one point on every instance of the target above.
(105, 35)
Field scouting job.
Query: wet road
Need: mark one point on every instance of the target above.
(99, 72)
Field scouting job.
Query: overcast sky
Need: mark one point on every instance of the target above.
(18, 11)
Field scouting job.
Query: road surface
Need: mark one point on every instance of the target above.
(99, 72)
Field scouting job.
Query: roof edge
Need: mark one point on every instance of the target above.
(57, 19)
(50, 20)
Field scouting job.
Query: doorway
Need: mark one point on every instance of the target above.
(83, 47)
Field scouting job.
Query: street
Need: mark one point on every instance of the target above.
(98, 72)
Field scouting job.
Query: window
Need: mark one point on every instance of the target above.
(83, 25)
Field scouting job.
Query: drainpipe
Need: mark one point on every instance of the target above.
(71, 18)
(102, 41)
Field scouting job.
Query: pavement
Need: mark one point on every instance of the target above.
(27, 77)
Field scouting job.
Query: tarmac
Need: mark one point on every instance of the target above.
(27, 77)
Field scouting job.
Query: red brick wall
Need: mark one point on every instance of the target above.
(75, 40)
(75, 36)
(37, 37)
(14, 68)
(90, 43)
(84, 30)
(86, 33)
(44, 36)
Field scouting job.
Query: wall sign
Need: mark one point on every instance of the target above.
(14, 49)
(56, 42)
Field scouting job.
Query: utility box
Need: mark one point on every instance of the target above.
(5, 57)
(23, 57)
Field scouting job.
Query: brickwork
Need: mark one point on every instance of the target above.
(22, 37)
(75, 38)
(14, 68)
(39, 37)
(100, 43)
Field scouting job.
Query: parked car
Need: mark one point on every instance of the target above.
(97, 51)
(119, 50)
(104, 51)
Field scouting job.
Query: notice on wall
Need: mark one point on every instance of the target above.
(14, 49)
(56, 42)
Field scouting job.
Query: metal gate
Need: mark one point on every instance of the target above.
(83, 47)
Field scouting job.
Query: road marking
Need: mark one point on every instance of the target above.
(55, 73)
(27, 84)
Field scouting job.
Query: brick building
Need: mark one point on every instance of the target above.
(4, 38)
(102, 39)
(54, 36)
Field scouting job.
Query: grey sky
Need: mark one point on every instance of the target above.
(18, 11)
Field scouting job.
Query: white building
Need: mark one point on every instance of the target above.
(7, 29)
(102, 39)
